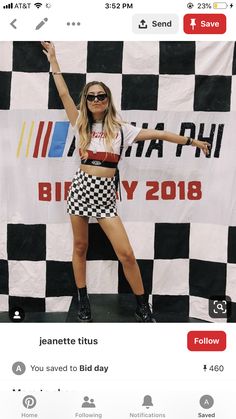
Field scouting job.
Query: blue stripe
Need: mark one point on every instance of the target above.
(59, 139)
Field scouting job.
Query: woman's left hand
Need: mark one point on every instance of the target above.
(203, 145)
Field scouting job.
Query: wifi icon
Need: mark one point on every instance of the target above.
(38, 5)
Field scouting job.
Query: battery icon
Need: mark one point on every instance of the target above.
(220, 5)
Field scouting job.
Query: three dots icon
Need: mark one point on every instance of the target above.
(73, 23)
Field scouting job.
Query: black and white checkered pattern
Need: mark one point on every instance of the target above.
(142, 75)
(182, 264)
(92, 196)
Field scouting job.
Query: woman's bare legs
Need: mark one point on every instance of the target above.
(80, 247)
(115, 231)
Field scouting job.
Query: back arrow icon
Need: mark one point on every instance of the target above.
(12, 24)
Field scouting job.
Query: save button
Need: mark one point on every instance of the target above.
(205, 23)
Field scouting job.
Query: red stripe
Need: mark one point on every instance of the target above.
(38, 139)
(102, 156)
(46, 139)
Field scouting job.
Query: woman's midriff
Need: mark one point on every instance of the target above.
(97, 171)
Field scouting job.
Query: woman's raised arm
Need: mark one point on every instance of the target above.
(68, 103)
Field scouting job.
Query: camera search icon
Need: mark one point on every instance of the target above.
(220, 307)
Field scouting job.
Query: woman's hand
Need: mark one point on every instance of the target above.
(203, 145)
(49, 50)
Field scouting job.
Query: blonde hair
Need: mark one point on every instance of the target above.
(111, 121)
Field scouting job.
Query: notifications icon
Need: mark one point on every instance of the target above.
(147, 401)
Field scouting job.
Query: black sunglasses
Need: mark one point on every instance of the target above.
(99, 97)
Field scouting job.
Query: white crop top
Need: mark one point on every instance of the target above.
(97, 152)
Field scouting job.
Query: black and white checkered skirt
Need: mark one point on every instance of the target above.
(92, 196)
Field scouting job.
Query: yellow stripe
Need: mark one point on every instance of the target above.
(29, 139)
(21, 139)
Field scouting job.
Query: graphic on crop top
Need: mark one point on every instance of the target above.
(97, 153)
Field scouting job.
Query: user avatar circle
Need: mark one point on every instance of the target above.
(206, 401)
(16, 314)
(18, 368)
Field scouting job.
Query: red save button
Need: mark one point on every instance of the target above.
(205, 23)
(206, 341)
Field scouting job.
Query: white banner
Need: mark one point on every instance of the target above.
(160, 181)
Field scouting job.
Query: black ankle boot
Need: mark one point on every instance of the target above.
(143, 311)
(84, 312)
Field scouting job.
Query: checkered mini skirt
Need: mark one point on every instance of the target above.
(92, 196)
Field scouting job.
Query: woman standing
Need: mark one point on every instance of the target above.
(92, 192)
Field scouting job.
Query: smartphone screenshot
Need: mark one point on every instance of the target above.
(117, 209)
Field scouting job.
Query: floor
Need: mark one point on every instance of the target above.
(106, 308)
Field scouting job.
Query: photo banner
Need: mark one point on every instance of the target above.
(177, 205)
